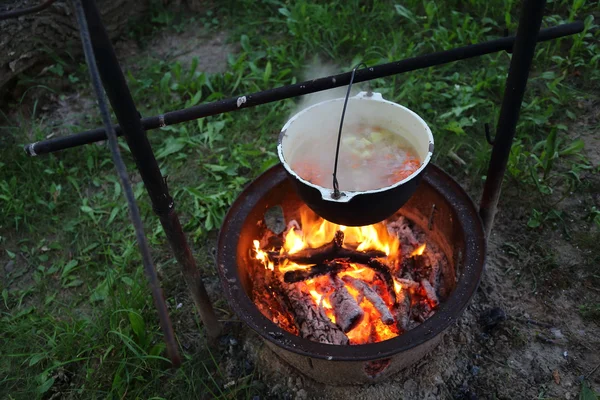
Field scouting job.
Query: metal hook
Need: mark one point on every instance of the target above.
(336, 190)
(488, 135)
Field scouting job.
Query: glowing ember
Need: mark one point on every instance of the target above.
(419, 250)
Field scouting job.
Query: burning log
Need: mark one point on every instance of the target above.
(435, 274)
(403, 310)
(299, 275)
(385, 273)
(329, 252)
(311, 320)
(347, 311)
(279, 309)
(373, 297)
(408, 283)
(402, 228)
(430, 293)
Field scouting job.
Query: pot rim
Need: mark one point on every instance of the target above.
(347, 195)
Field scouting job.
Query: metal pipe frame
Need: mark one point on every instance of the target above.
(134, 212)
(124, 108)
(133, 126)
(303, 88)
(25, 11)
(516, 82)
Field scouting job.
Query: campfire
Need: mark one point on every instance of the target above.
(345, 285)
(307, 287)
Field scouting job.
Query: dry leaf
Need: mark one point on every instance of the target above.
(556, 377)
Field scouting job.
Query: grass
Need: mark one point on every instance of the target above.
(76, 316)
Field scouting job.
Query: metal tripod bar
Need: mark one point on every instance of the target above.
(518, 73)
(134, 212)
(303, 88)
(162, 203)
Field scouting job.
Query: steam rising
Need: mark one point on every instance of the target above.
(317, 70)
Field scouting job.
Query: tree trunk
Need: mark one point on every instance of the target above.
(35, 39)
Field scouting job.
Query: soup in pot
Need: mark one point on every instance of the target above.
(371, 157)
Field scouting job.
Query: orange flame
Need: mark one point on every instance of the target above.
(316, 232)
(366, 274)
(320, 300)
(397, 286)
(262, 256)
(419, 250)
(292, 266)
(293, 242)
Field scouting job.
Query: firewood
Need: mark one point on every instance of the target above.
(402, 310)
(329, 252)
(280, 306)
(286, 300)
(373, 297)
(347, 311)
(312, 321)
(435, 274)
(385, 273)
(408, 283)
(312, 272)
(430, 293)
(403, 230)
(421, 310)
(275, 307)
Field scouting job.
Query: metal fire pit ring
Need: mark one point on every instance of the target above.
(455, 217)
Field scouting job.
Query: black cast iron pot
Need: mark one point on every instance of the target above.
(315, 129)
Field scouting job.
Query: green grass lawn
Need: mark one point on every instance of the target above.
(76, 315)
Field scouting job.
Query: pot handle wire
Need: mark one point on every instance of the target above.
(336, 189)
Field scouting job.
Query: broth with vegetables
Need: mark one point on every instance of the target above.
(371, 157)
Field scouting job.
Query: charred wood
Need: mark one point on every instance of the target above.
(312, 321)
(421, 310)
(408, 283)
(429, 292)
(402, 310)
(347, 311)
(385, 273)
(328, 252)
(299, 275)
(280, 306)
(371, 295)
